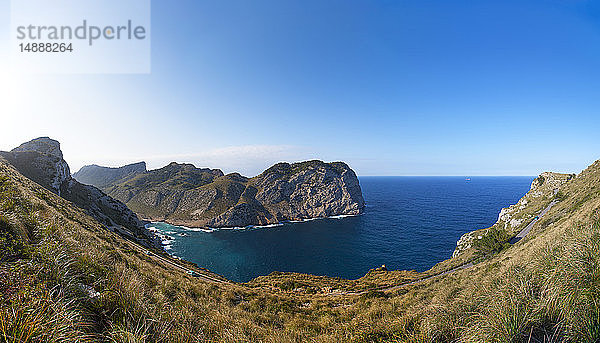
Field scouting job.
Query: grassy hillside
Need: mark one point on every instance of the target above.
(64, 278)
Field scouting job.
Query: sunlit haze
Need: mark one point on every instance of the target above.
(391, 88)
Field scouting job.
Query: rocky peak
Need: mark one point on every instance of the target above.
(41, 160)
(309, 189)
(550, 180)
(174, 168)
(236, 177)
(135, 167)
(42, 145)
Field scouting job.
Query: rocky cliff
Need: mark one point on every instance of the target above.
(41, 160)
(182, 194)
(512, 219)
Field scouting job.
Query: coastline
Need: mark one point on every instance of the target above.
(209, 229)
(170, 236)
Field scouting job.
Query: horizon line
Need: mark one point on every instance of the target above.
(467, 176)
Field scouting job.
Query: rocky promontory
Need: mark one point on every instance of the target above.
(182, 194)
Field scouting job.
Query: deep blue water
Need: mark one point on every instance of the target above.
(409, 223)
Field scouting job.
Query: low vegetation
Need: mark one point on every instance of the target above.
(494, 240)
(64, 278)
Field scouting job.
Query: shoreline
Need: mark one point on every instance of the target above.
(209, 229)
(443, 265)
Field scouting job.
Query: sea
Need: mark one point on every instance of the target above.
(409, 223)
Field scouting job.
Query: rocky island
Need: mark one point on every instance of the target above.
(181, 194)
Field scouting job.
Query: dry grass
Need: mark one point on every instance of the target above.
(64, 278)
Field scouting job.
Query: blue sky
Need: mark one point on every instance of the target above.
(391, 87)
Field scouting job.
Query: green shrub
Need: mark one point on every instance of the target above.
(574, 286)
(494, 240)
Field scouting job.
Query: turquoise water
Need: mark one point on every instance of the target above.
(409, 223)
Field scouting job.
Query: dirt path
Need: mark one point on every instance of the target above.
(197, 275)
(450, 271)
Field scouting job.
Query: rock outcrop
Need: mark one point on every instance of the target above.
(513, 218)
(41, 160)
(182, 194)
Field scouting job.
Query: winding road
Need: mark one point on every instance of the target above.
(193, 273)
(526, 230)
(522, 234)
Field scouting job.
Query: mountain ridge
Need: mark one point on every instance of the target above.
(88, 174)
(182, 194)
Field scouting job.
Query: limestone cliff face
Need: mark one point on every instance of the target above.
(42, 145)
(513, 218)
(184, 195)
(41, 160)
(294, 192)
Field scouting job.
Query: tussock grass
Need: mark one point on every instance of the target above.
(554, 298)
(42, 318)
(63, 278)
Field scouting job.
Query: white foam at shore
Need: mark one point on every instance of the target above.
(306, 220)
(211, 229)
(195, 229)
(268, 226)
(342, 216)
(166, 241)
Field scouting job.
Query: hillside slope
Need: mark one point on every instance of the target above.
(64, 277)
(182, 194)
(41, 160)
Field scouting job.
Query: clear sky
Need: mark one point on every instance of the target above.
(391, 87)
